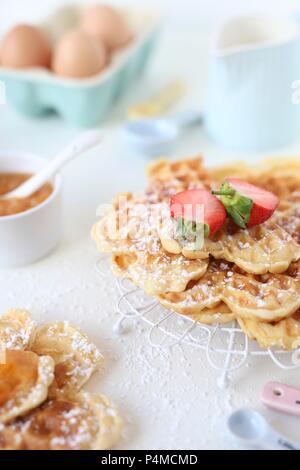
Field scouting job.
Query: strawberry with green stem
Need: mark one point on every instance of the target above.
(245, 203)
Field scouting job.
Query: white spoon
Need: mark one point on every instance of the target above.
(83, 142)
(253, 429)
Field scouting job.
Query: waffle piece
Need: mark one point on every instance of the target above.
(201, 300)
(17, 329)
(75, 357)
(137, 250)
(194, 305)
(180, 175)
(284, 334)
(270, 297)
(85, 422)
(167, 178)
(24, 381)
(259, 279)
(261, 249)
(220, 314)
(279, 175)
(160, 272)
(199, 295)
(288, 218)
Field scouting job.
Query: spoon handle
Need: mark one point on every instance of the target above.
(187, 118)
(84, 142)
(276, 441)
(281, 397)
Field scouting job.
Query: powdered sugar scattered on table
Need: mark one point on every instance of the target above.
(169, 398)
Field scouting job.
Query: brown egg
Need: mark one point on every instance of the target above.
(25, 46)
(107, 24)
(79, 55)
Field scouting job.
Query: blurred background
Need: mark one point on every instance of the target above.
(181, 13)
(182, 52)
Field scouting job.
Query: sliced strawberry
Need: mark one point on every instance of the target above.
(198, 206)
(248, 205)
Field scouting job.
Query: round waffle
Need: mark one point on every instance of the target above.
(248, 274)
(267, 298)
(17, 329)
(284, 334)
(137, 250)
(24, 381)
(85, 422)
(159, 273)
(75, 357)
(259, 250)
(270, 297)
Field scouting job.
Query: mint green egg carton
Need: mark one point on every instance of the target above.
(84, 102)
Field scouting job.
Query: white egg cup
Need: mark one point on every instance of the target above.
(29, 236)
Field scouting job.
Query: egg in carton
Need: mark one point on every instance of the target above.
(83, 101)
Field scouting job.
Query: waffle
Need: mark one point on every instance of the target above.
(17, 329)
(41, 407)
(284, 334)
(288, 217)
(250, 275)
(167, 178)
(265, 248)
(259, 250)
(24, 381)
(75, 357)
(137, 250)
(220, 314)
(266, 298)
(158, 273)
(85, 422)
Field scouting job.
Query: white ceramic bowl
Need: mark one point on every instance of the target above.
(31, 235)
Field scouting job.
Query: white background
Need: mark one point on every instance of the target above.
(168, 399)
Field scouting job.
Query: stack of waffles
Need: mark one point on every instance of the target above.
(248, 275)
(42, 403)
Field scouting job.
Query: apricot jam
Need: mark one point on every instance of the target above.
(11, 181)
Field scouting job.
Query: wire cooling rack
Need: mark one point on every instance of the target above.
(226, 347)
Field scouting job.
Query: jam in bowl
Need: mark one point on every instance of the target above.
(11, 181)
(30, 227)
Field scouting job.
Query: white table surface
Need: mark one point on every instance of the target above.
(170, 399)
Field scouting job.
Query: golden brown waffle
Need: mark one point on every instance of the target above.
(40, 407)
(24, 381)
(17, 329)
(284, 334)
(255, 274)
(177, 176)
(270, 297)
(259, 250)
(288, 218)
(262, 249)
(267, 298)
(137, 250)
(85, 422)
(220, 314)
(195, 303)
(158, 273)
(75, 357)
